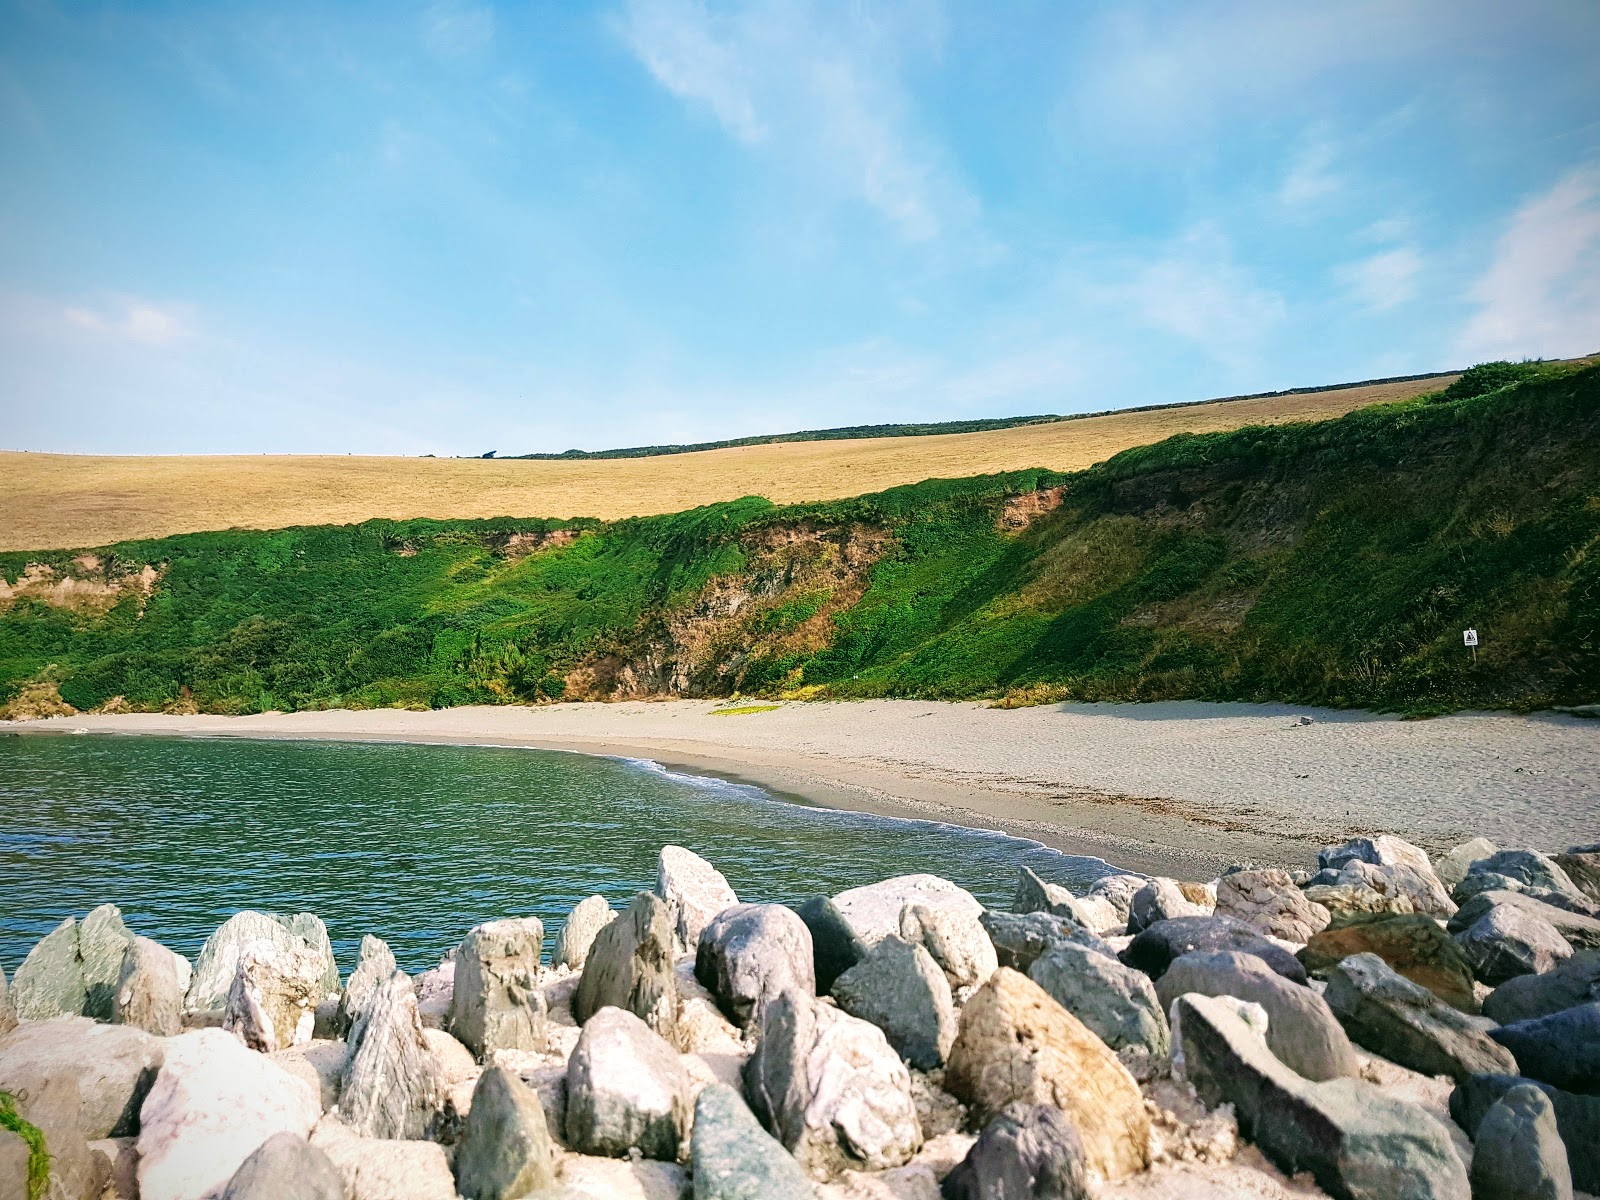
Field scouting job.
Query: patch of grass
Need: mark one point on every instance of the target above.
(38, 1179)
(745, 708)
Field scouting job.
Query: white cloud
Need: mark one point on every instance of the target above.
(457, 29)
(1310, 176)
(695, 58)
(133, 320)
(1383, 281)
(1540, 297)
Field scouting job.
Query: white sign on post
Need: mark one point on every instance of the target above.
(1469, 637)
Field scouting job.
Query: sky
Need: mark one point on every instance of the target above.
(266, 226)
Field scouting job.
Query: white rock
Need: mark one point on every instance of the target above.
(957, 942)
(873, 911)
(272, 1003)
(587, 918)
(391, 1085)
(695, 890)
(584, 1177)
(435, 993)
(379, 1169)
(626, 1090)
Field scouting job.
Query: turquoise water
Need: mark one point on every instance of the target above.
(417, 843)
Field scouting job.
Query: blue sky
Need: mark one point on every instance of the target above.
(454, 227)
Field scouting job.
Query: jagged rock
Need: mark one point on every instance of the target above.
(378, 1169)
(1356, 1141)
(1579, 929)
(102, 941)
(1582, 865)
(49, 983)
(1302, 1031)
(1508, 941)
(272, 1004)
(1568, 984)
(1407, 1024)
(1452, 868)
(1350, 902)
(308, 927)
(1035, 895)
(957, 942)
(1155, 948)
(694, 890)
(1161, 899)
(1118, 891)
(113, 1067)
(505, 1153)
(1577, 1119)
(1519, 1154)
(374, 964)
(1562, 1049)
(630, 967)
(735, 1159)
(1017, 1045)
(873, 912)
(218, 963)
(151, 984)
(583, 923)
(1115, 1002)
(1027, 1152)
(626, 1088)
(213, 1103)
(1421, 890)
(831, 1089)
(752, 952)
(1268, 901)
(1412, 944)
(835, 948)
(436, 990)
(391, 1087)
(8, 1011)
(1527, 867)
(1018, 939)
(496, 1002)
(900, 989)
(76, 1170)
(285, 1167)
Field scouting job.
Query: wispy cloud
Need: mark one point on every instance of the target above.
(457, 28)
(1310, 176)
(697, 58)
(130, 319)
(1384, 280)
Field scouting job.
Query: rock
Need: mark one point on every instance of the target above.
(218, 963)
(1268, 901)
(151, 984)
(735, 1159)
(1025, 1153)
(585, 1177)
(1421, 890)
(1118, 891)
(630, 967)
(308, 927)
(835, 948)
(1582, 865)
(213, 1103)
(436, 989)
(1018, 939)
(1154, 950)
(1580, 930)
(496, 1003)
(506, 1151)
(900, 989)
(1349, 902)
(102, 941)
(626, 1088)
(113, 1067)
(321, 1064)
(1115, 1002)
(374, 964)
(8, 1011)
(391, 1087)
(752, 952)
(1035, 895)
(285, 1167)
(1412, 944)
(873, 912)
(957, 942)
(831, 1089)
(1568, 984)
(1452, 868)
(1161, 899)
(49, 983)
(1519, 1154)
(1577, 1119)
(1302, 1031)
(76, 1171)
(1562, 1049)
(1355, 1141)
(1508, 941)
(1017, 1045)
(1407, 1024)
(586, 920)
(694, 890)
(376, 1169)
(272, 1004)
(1528, 867)
(1385, 850)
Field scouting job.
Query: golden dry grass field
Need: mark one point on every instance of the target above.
(59, 501)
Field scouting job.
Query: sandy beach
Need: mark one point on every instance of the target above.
(1182, 788)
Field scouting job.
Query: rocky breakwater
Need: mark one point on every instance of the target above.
(1365, 1032)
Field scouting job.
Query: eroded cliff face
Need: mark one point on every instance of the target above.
(87, 584)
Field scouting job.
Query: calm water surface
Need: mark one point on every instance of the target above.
(417, 843)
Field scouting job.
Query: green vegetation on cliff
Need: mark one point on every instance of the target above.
(1332, 563)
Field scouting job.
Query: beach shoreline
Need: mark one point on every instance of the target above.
(1182, 789)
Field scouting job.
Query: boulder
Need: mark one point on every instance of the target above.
(1028, 1152)
(496, 1002)
(1115, 1002)
(308, 927)
(1412, 944)
(218, 963)
(583, 923)
(1302, 1031)
(1452, 868)
(102, 941)
(8, 1011)
(750, 953)
(436, 990)
(831, 1089)
(1017, 1045)
(626, 1089)
(374, 964)
(213, 1103)
(1562, 1049)
(1385, 850)
(735, 1159)
(1035, 895)
(1161, 899)
(1357, 1142)
(285, 1167)
(1421, 890)
(49, 983)
(1348, 902)
(113, 1067)
(377, 1169)
(957, 942)
(900, 989)
(272, 1004)
(391, 1087)
(76, 1171)
(1407, 1024)
(505, 1153)
(1268, 901)
(151, 984)
(873, 912)
(1508, 941)
(694, 890)
(1018, 939)
(1572, 982)
(1577, 1119)
(1519, 1154)
(1118, 891)
(630, 967)
(1582, 865)
(1579, 929)
(321, 1064)
(835, 948)
(1528, 867)
(1155, 948)
(587, 1177)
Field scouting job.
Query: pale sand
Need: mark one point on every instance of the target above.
(1181, 789)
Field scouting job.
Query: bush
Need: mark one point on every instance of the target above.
(1489, 377)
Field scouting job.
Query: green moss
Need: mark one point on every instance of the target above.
(38, 1157)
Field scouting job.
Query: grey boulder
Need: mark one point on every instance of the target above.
(1019, 938)
(873, 911)
(1582, 865)
(1405, 888)
(749, 954)
(218, 962)
(1158, 945)
(1114, 1001)
(583, 925)
(626, 1090)
(1161, 899)
(102, 941)
(900, 989)
(1519, 1154)
(151, 984)
(1577, 1119)
(497, 1004)
(1570, 983)
(629, 966)
(8, 1011)
(735, 1159)
(391, 1087)
(1452, 868)
(1025, 1153)
(694, 890)
(49, 983)
(1268, 901)
(957, 941)
(1562, 1049)
(112, 1066)
(374, 964)
(1579, 929)
(1035, 895)
(835, 946)
(1508, 941)
(1530, 868)
(505, 1152)
(1118, 891)
(285, 1167)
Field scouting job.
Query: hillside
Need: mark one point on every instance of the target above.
(1329, 563)
(57, 501)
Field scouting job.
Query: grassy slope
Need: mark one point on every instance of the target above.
(1327, 563)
